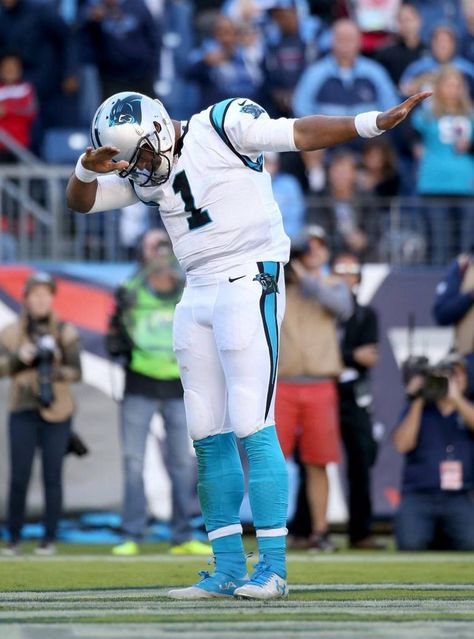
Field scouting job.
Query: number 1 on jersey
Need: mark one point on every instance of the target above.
(198, 217)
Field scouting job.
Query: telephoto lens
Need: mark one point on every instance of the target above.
(45, 357)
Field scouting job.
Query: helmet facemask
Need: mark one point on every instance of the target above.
(149, 164)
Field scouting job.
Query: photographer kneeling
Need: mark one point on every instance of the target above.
(436, 435)
(41, 355)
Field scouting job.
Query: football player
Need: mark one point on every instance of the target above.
(208, 177)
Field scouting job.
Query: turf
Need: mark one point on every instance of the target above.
(86, 585)
(78, 571)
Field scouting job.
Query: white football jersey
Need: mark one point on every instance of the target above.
(218, 205)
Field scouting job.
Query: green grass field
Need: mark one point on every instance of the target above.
(85, 592)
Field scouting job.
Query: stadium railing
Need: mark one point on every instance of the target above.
(36, 224)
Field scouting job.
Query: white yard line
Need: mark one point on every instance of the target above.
(143, 593)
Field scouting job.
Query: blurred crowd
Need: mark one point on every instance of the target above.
(60, 58)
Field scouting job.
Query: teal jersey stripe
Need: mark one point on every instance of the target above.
(268, 308)
(217, 117)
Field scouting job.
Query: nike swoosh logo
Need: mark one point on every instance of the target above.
(233, 279)
(242, 103)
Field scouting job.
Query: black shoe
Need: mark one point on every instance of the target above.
(368, 543)
(45, 549)
(321, 542)
(297, 543)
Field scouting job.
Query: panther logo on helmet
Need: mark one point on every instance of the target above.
(126, 111)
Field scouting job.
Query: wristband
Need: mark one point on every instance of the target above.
(83, 174)
(366, 124)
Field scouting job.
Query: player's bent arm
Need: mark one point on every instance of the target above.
(94, 185)
(80, 196)
(109, 192)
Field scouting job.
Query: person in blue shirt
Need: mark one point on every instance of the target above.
(436, 437)
(454, 301)
(221, 68)
(289, 49)
(446, 167)
(443, 45)
(343, 81)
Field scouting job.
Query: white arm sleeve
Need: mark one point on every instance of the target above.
(113, 192)
(251, 131)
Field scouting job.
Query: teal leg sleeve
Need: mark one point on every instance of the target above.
(268, 494)
(220, 491)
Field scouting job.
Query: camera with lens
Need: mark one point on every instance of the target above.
(117, 340)
(435, 377)
(45, 345)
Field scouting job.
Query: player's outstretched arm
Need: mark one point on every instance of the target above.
(81, 189)
(318, 131)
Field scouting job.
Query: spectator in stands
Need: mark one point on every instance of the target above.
(220, 66)
(314, 170)
(49, 58)
(125, 42)
(344, 81)
(359, 350)
(454, 302)
(434, 13)
(287, 55)
(8, 242)
(179, 95)
(407, 47)
(17, 104)
(378, 171)
(41, 355)
(342, 208)
(446, 167)
(377, 20)
(141, 332)
(309, 365)
(443, 45)
(289, 196)
(436, 436)
(467, 38)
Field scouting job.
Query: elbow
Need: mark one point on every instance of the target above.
(77, 205)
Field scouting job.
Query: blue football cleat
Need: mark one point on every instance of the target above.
(264, 584)
(210, 587)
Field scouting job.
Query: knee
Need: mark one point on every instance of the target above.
(199, 416)
(410, 544)
(133, 465)
(246, 407)
(409, 537)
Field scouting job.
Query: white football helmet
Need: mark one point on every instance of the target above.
(142, 129)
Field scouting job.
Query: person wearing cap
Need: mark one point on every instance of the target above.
(359, 350)
(435, 435)
(310, 363)
(140, 331)
(41, 354)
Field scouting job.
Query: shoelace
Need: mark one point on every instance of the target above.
(260, 575)
(205, 574)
